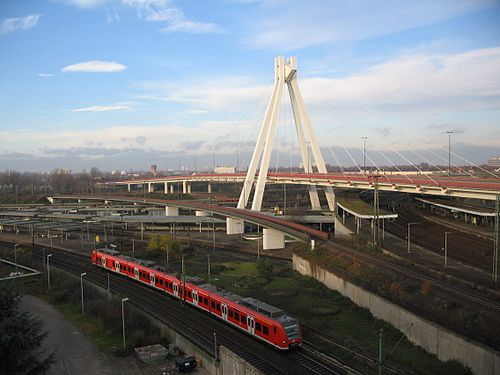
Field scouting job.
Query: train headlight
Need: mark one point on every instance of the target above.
(284, 342)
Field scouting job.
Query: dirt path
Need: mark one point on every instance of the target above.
(76, 354)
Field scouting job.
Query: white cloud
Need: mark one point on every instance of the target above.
(45, 75)
(103, 108)
(462, 81)
(175, 19)
(87, 3)
(151, 11)
(228, 93)
(22, 23)
(191, 27)
(301, 24)
(95, 66)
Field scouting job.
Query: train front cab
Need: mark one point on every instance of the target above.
(293, 332)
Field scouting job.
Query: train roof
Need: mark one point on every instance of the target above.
(262, 307)
(112, 252)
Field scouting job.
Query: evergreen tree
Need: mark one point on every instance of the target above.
(20, 338)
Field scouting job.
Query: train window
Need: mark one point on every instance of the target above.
(274, 329)
(189, 294)
(257, 326)
(212, 304)
(236, 315)
(218, 307)
(265, 330)
(243, 318)
(230, 313)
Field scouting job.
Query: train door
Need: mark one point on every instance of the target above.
(152, 279)
(250, 324)
(103, 262)
(195, 298)
(176, 290)
(224, 312)
(136, 273)
(117, 266)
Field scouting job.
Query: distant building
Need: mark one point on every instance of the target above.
(153, 169)
(224, 170)
(494, 162)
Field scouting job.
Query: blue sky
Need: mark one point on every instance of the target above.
(129, 83)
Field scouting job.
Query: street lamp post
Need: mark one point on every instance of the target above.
(446, 248)
(449, 152)
(81, 286)
(215, 346)
(15, 255)
(123, 320)
(364, 153)
(409, 236)
(48, 271)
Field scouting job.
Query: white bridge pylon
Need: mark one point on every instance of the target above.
(284, 72)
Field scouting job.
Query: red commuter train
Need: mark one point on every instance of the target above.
(258, 319)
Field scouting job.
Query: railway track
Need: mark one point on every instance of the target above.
(360, 356)
(197, 326)
(467, 249)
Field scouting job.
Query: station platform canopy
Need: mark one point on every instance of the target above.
(360, 209)
(458, 207)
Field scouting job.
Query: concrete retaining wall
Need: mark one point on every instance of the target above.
(446, 345)
(230, 364)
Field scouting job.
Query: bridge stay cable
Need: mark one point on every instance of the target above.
(428, 161)
(468, 161)
(337, 161)
(446, 160)
(425, 175)
(394, 165)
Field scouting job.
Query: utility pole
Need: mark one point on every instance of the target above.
(449, 152)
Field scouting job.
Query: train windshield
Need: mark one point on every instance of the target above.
(292, 329)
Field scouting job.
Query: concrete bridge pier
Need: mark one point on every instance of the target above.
(129, 187)
(234, 226)
(186, 187)
(273, 239)
(172, 189)
(150, 187)
(171, 211)
(165, 185)
(209, 188)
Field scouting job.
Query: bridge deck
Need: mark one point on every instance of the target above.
(293, 229)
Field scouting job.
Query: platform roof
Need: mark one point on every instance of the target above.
(458, 207)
